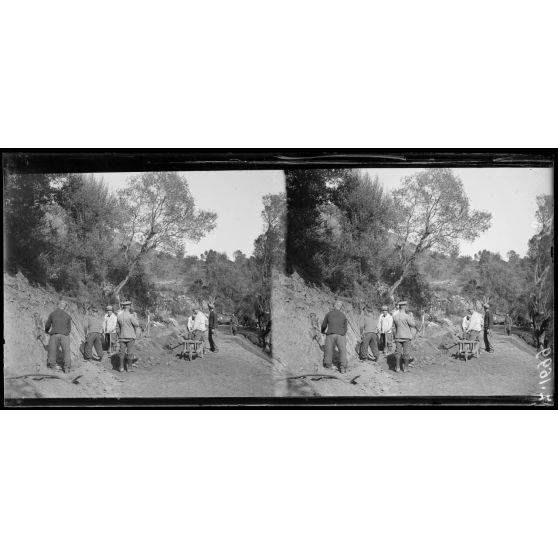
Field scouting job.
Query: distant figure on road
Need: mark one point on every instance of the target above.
(109, 330)
(127, 327)
(403, 323)
(488, 325)
(508, 324)
(474, 326)
(93, 334)
(59, 323)
(334, 327)
(234, 324)
(212, 329)
(385, 326)
(368, 328)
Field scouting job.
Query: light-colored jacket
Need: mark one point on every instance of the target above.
(200, 322)
(109, 323)
(475, 323)
(465, 323)
(127, 325)
(190, 324)
(403, 323)
(385, 323)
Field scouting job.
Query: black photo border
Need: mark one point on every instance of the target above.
(144, 160)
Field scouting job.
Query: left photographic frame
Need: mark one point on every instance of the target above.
(130, 278)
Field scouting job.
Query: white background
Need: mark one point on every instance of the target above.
(290, 74)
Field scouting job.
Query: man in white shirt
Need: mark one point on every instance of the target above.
(385, 325)
(475, 325)
(200, 330)
(109, 330)
(465, 324)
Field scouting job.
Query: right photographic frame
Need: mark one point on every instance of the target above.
(418, 282)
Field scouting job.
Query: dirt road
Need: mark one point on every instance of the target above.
(238, 370)
(510, 370)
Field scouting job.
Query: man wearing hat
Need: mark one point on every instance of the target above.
(109, 330)
(488, 325)
(402, 323)
(385, 325)
(127, 326)
(212, 328)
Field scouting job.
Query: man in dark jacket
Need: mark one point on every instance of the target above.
(488, 325)
(212, 329)
(60, 324)
(335, 328)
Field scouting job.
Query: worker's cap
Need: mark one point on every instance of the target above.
(211, 305)
(126, 303)
(384, 308)
(486, 305)
(110, 308)
(403, 303)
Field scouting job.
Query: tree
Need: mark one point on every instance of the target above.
(307, 191)
(26, 199)
(433, 214)
(158, 212)
(541, 256)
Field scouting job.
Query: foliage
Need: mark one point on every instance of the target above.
(158, 211)
(26, 197)
(433, 213)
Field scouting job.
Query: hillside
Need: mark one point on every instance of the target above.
(435, 370)
(240, 368)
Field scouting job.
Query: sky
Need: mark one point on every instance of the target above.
(236, 197)
(509, 194)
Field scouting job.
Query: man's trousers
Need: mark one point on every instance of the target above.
(56, 340)
(333, 340)
(369, 339)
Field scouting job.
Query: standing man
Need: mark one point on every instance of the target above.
(212, 328)
(109, 330)
(474, 326)
(465, 323)
(200, 329)
(127, 327)
(59, 323)
(369, 336)
(234, 323)
(385, 325)
(488, 325)
(508, 324)
(334, 327)
(403, 323)
(93, 335)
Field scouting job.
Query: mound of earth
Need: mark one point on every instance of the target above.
(26, 309)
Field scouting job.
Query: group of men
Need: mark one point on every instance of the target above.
(375, 333)
(473, 323)
(108, 330)
(198, 325)
(123, 326)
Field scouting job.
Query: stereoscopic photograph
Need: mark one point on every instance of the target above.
(140, 285)
(294, 284)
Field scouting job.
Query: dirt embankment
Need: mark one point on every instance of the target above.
(298, 346)
(239, 369)
(26, 309)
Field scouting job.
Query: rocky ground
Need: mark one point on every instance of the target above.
(298, 354)
(240, 369)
